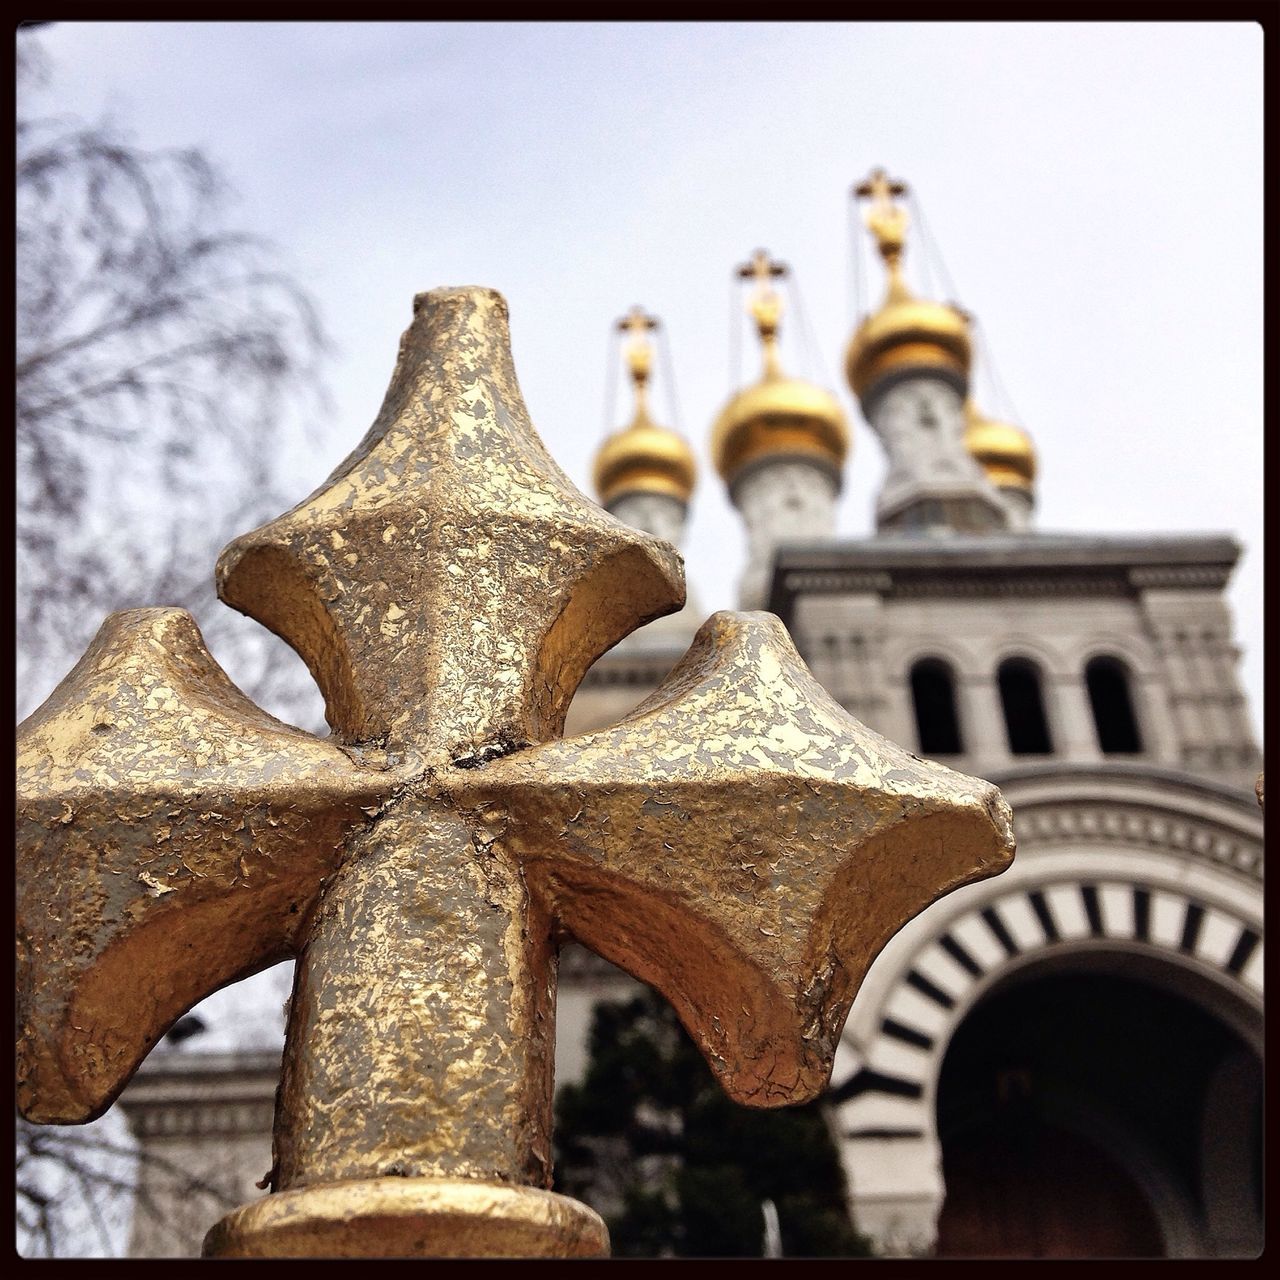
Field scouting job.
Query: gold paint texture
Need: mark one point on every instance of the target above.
(423, 1014)
(447, 585)
(743, 844)
(170, 837)
(738, 841)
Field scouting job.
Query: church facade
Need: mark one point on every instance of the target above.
(1065, 1060)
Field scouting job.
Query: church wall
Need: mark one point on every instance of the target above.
(1191, 632)
(1180, 661)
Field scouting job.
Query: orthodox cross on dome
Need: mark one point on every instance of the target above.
(738, 840)
(638, 322)
(886, 220)
(766, 304)
(639, 351)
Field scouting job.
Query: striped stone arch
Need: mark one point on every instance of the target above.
(1139, 861)
(892, 1092)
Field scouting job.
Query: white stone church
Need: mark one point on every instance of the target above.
(1063, 1061)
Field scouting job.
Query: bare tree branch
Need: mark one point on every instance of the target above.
(162, 358)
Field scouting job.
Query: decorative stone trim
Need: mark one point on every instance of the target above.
(1110, 823)
(837, 582)
(195, 1117)
(635, 672)
(955, 586)
(1213, 577)
(890, 1095)
(910, 586)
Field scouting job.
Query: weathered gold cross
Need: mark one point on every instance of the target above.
(738, 840)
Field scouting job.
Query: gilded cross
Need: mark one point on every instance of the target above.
(639, 324)
(886, 220)
(765, 305)
(738, 840)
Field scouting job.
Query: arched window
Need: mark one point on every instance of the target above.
(1023, 703)
(1108, 683)
(933, 694)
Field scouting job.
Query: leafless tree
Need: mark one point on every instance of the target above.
(162, 362)
(90, 1187)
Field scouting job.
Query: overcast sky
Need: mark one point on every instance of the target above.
(1095, 192)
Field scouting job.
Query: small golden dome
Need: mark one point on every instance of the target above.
(1004, 452)
(906, 331)
(779, 416)
(644, 458)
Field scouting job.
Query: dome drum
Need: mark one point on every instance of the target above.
(917, 362)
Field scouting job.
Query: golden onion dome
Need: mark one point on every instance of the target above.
(777, 416)
(1004, 452)
(906, 331)
(644, 458)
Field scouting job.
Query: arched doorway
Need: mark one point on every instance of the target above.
(1074, 1107)
(1024, 1188)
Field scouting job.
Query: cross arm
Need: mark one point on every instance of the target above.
(171, 838)
(448, 585)
(744, 845)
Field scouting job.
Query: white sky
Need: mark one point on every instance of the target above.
(1095, 191)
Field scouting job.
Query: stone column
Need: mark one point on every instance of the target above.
(1167, 615)
(982, 722)
(1156, 723)
(1071, 724)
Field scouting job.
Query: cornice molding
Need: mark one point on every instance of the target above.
(1111, 823)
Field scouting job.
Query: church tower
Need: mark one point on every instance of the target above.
(908, 364)
(645, 474)
(780, 445)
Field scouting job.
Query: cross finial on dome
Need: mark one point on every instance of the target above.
(639, 351)
(885, 220)
(642, 457)
(765, 304)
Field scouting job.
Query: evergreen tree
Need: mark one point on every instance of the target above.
(652, 1142)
